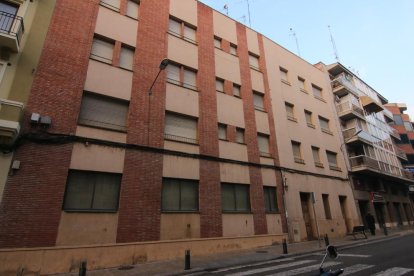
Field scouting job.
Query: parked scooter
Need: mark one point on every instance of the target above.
(333, 254)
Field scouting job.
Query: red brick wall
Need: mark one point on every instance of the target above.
(32, 201)
(209, 187)
(140, 199)
(256, 183)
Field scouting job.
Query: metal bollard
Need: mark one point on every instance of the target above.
(326, 238)
(285, 250)
(187, 264)
(82, 268)
(385, 229)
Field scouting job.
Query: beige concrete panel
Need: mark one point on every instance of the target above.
(108, 80)
(234, 173)
(185, 10)
(182, 51)
(97, 158)
(224, 27)
(233, 151)
(183, 147)
(257, 80)
(227, 66)
(252, 41)
(181, 167)
(274, 223)
(269, 177)
(103, 134)
(237, 225)
(180, 226)
(182, 100)
(230, 110)
(262, 122)
(267, 161)
(87, 228)
(109, 23)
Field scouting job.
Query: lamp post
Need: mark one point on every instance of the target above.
(164, 63)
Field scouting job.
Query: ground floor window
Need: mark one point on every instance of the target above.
(179, 195)
(235, 198)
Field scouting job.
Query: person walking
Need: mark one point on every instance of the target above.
(370, 223)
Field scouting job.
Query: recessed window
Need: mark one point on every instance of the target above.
(302, 85)
(222, 131)
(92, 191)
(111, 4)
(397, 119)
(324, 123)
(332, 160)
(236, 90)
(317, 92)
(180, 128)
(132, 8)
(316, 157)
(102, 49)
(408, 126)
(240, 135)
(182, 30)
(284, 75)
(181, 75)
(235, 198)
(219, 85)
(126, 58)
(217, 42)
(263, 141)
(326, 207)
(270, 199)
(290, 111)
(309, 119)
(254, 61)
(258, 101)
(297, 153)
(103, 112)
(179, 195)
(233, 49)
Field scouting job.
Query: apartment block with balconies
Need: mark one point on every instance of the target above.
(379, 180)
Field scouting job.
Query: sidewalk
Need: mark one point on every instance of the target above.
(241, 257)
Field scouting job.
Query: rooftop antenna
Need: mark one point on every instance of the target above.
(292, 32)
(248, 12)
(243, 18)
(226, 7)
(333, 44)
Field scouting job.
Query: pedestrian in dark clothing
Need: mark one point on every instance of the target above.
(370, 223)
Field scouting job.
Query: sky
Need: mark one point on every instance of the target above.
(373, 38)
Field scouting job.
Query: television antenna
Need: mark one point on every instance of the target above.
(333, 45)
(292, 32)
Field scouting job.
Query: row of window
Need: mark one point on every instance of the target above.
(330, 155)
(132, 8)
(323, 122)
(99, 192)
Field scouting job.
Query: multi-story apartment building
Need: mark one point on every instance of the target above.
(23, 27)
(379, 181)
(167, 120)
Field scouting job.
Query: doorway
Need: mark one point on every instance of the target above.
(398, 213)
(379, 212)
(305, 201)
(363, 209)
(344, 210)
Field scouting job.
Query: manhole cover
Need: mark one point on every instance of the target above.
(126, 267)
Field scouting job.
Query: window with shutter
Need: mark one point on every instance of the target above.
(126, 58)
(324, 123)
(190, 79)
(258, 101)
(317, 92)
(284, 74)
(254, 61)
(233, 49)
(297, 154)
(111, 4)
(316, 157)
(173, 73)
(102, 49)
(302, 86)
(217, 42)
(180, 128)
(309, 120)
(240, 135)
(332, 160)
(222, 132)
(132, 8)
(290, 111)
(183, 30)
(263, 141)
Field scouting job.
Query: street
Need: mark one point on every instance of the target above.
(382, 258)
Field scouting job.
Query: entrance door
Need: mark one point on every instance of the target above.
(305, 202)
(363, 209)
(379, 212)
(342, 201)
(398, 213)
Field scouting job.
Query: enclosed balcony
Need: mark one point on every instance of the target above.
(10, 116)
(11, 31)
(370, 104)
(349, 110)
(356, 135)
(400, 153)
(341, 86)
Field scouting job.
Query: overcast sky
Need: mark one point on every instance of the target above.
(374, 38)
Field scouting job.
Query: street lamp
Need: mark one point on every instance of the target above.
(164, 63)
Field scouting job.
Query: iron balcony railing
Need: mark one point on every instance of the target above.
(11, 24)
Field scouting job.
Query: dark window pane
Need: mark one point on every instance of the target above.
(106, 192)
(397, 119)
(242, 198)
(270, 199)
(189, 198)
(227, 197)
(79, 191)
(170, 195)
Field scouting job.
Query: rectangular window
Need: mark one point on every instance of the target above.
(297, 153)
(222, 131)
(235, 198)
(270, 199)
(317, 92)
(190, 79)
(309, 119)
(8, 12)
(180, 128)
(217, 42)
(92, 191)
(236, 90)
(103, 112)
(408, 126)
(324, 123)
(332, 160)
(325, 199)
(132, 8)
(284, 74)
(219, 85)
(263, 141)
(233, 49)
(302, 86)
(126, 58)
(102, 49)
(179, 195)
(316, 157)
(258, 101)
(397, 119)
(290, 111)
(240, 135)
(254, 61)
(182, 76)
(111, 4)
(182, 30)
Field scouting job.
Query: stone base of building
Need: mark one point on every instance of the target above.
(64, 259)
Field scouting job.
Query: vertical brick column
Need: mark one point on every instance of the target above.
(140, 199)
(256, 182)
(32, 201)
(209, 187)
(272, 139)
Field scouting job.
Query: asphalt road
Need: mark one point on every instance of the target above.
(383, 258)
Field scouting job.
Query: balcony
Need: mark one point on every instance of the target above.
(10, 115)
(356, 135)
(370, 104)
(394, 133)
(11, 31)
(363, 162)
(348, 110)
(341, 86)
(400, 153)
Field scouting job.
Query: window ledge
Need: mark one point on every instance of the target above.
(299, 160)
(265, 154)
(286, 82)
(272, 212)
(335, 168)
(260, 109)
(291, 118)
(319, 98)
(304, 91)
(183, 38)
(183, 85)
(255, 69)
(311, 125)
(180, 212)
(91, 211)
(108, 6)
(180, 139)
(327, 131)
(319, 164)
